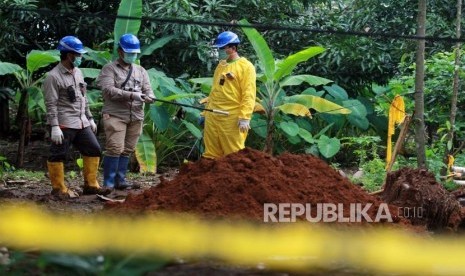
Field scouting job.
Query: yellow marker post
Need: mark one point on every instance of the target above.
(396, 116)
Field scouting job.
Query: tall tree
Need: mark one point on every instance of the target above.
(419, 116)
(455, 88)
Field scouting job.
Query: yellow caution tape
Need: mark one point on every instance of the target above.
(296, 246)
(396, 116)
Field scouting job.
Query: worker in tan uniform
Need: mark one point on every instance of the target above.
(70, 120)
(234, 91)
(125, 88)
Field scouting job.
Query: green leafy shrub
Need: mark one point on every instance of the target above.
(4, 166)
(366, 151)
(374, 173)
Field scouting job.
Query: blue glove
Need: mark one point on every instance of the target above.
(201, 121)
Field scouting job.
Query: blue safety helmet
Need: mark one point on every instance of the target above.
(71, 44)
(129, 43)
(226, 38)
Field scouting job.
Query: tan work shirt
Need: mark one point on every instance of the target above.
(116, 99)
(65, 98)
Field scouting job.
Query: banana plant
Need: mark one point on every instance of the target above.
(165, 133)
(123, 25)
(29, 82)
(30, 96)
(275, 77)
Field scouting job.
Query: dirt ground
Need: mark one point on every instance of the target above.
(18, 191)
(38, 191)
(236, 185)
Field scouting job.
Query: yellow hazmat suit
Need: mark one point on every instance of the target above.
(233, 90)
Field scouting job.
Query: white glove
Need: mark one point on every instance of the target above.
(244, 125)
(93, 126)
(57, 135)
(137, 96)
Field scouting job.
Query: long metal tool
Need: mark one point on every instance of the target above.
(222, 112)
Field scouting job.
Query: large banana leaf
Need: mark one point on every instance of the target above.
(319, 104)
(145, 154)
(299, 79)
(160, 117)
(127, 8)
(38, 59)
(312, 91)
(295, 109)
(9, 68)
(99, 57)
(159, 43)
(287, 65)
(35, 101)
(160, 81)
(90, 72)
(261, 49)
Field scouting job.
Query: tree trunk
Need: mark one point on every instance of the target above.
(4, 117)
(455, 89)
(22, 143)
(22, 121)
(22, 107)
(419, 88)
(269, 135)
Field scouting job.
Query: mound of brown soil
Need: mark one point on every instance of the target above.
(238, 185)
(424, 199)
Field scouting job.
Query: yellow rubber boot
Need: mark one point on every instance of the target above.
(91, 186)
(56, 172)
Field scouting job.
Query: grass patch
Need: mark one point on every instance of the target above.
(24, 175)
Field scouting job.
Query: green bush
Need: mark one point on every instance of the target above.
(374, 173)
(4, 166)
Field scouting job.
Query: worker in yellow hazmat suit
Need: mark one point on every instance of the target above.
(233, 90)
